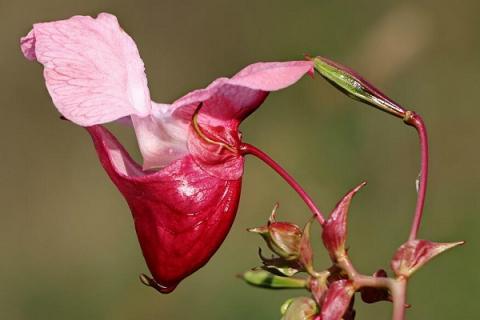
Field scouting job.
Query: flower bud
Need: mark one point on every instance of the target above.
(413, 254)
(355, 86)
(301, 308)
(334, 233)
(306, 252)
(265, 279)
(337, 300)
(283, 238)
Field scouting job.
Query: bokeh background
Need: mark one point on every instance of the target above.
(67, 246)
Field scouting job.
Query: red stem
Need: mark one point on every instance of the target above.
(399, 296)
(416, 121)
(246, 148)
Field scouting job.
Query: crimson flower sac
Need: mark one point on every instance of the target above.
(185, 196)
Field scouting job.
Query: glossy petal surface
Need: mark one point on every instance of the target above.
(181, 213)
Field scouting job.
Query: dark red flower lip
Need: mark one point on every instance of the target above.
(181, 213)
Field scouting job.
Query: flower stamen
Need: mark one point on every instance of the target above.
(203, 136)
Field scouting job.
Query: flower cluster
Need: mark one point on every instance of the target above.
(331, 290)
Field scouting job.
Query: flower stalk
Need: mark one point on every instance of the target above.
(246, 148)
(417, 122)
(355, 86)
(399, 294)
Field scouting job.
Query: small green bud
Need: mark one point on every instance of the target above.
(265, 279)
(355, 86)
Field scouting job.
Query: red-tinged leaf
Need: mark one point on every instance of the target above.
(318, 287)
(337, 300)
(335, 228)
(351, 312)
(415, 253)
(280, 266)
(306, 252)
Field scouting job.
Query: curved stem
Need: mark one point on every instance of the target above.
(246, 148)
(416, 121)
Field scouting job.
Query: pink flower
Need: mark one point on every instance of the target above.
(185, 196)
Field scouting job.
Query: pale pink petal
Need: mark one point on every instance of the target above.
(247, 89)
(272, 76)
(27, 44)
(161, 137)
(93, 70)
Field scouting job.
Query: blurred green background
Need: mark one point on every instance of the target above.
(67, 246)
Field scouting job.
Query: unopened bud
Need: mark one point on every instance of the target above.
(355, 86)
(283, 238)
(334, 233)
(265, 279)
(306, 252)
